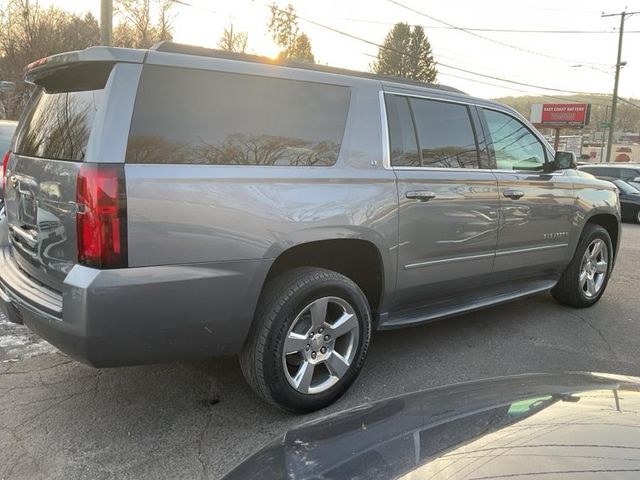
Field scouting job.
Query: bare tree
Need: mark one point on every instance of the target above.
(231, 41)
(28, 32)
(136, 27)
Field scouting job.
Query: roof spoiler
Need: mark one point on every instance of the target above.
(102, 55)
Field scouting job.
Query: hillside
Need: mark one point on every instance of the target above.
(628, 115)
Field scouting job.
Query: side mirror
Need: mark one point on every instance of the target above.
(636, 180)
(562, 161)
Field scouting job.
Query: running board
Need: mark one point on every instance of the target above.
(439, 312)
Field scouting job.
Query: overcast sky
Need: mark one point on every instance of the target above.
(203, 23)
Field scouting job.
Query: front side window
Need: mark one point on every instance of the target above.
(513, 145)
(445, 134)
(218, 118)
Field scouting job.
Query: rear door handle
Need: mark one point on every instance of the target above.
(420, 195)
(513, 194)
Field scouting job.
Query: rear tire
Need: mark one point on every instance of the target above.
(585, 278)
(309, 339)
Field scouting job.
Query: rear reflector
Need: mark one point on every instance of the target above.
(5, 161)
(102, 216)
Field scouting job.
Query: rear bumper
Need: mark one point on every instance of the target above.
(140, 315)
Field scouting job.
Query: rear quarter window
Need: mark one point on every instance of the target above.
(218, 118)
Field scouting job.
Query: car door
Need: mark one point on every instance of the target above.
(537, 206)
(448, 205)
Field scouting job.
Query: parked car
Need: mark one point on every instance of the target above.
(196, 203)
(629, 172)
(629, 199)
(526, 426)
(7, 127)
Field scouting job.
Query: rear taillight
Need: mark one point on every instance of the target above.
(102, 216)
(5, 161)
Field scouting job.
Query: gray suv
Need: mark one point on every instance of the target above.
(180, 203)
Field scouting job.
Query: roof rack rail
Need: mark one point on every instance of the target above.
(173, 47)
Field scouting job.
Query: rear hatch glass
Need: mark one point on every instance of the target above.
(51, 143)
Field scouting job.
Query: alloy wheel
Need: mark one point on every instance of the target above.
(594, 268)
(320, 345)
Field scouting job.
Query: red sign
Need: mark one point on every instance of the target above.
(565, 113)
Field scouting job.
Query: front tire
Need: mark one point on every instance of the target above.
(309, 339)
(585, 278)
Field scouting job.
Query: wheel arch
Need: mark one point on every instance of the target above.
(611, 223)
(356, 258)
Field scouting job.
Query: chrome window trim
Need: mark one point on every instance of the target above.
(386, 152)
(386, 146)
(428, 97)
(384, 123)
(498, 253)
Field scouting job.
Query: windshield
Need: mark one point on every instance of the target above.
(626, 188)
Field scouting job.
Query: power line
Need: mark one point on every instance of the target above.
(515, 82)
(628, 102)
(369, 42)
(529, 92)
(494, 30)
(515, 47)
(187, 4)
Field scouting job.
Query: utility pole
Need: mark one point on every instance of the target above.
(106, 21)
(619, 64)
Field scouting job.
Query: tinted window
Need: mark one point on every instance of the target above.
(203, 117)
(402, 135)
(603, 172)
(57, 125)
(629, 173)
(512, 143)
(445, 134)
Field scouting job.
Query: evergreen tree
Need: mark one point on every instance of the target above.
(406, 53)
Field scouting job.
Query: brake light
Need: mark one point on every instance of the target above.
(5, 161)
(37, 63)
(101, 220)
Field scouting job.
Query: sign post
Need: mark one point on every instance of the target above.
(559, 116)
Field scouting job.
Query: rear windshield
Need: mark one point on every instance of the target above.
(217, 118)
(57, 125)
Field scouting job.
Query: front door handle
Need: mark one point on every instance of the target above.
(420, 195)
(513, 194)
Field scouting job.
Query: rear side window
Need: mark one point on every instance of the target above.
(57, 125)
(603, 172)
(445, 134)
(402, 134)
(219, 118)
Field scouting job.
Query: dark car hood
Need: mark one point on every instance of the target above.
(630, 198)
(530, 426)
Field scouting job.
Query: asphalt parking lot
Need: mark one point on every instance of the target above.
(61, 419)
